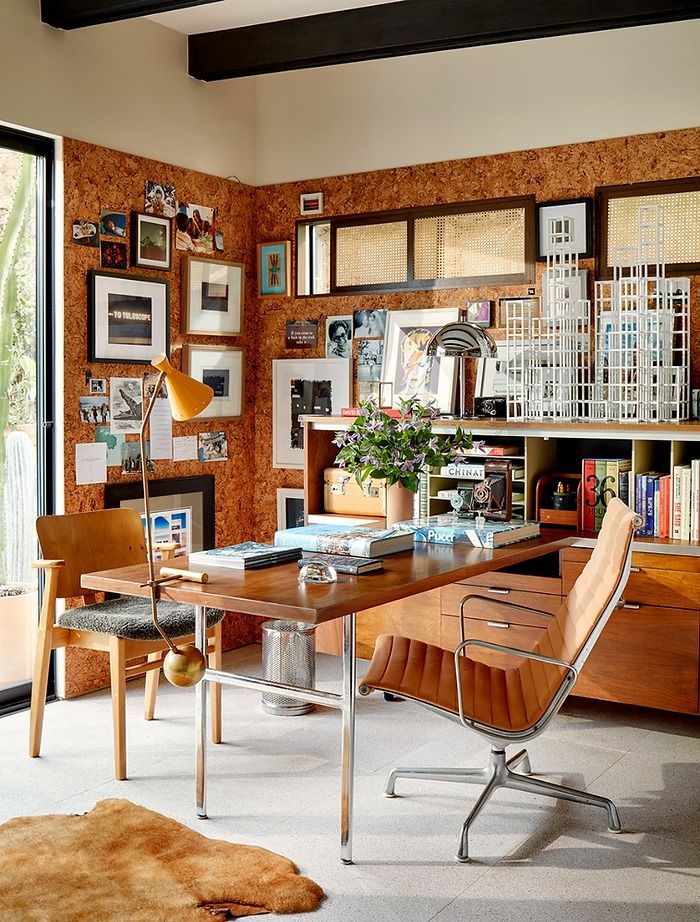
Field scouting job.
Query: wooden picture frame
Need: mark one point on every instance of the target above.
(212, 296)
(128, 317)
(151, 241)
(223, 369)
(274, 269)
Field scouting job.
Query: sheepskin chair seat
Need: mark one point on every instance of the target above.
(131, 618)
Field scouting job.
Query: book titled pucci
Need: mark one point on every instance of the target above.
(347, 540)
(448, 530)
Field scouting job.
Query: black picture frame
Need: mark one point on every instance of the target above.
(130, 339)
(582, 206)
(149, 257)
(202, 487)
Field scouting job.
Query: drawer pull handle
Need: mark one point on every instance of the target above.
(635, 569)
(499, 591)
(501, 624)
(635, 606)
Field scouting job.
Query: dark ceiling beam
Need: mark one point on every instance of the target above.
(412, 27)
(75, 14)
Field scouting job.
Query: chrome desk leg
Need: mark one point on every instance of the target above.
(348, 744)
(200, 639)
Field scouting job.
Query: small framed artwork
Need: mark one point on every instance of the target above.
(273, 268)
(290, 508)
(221, 367)
(311, 203)
(151, 237)
(304, 387)
(212, 296)
(581, 213)
(479, 312)
(128, 318)
(113, 254)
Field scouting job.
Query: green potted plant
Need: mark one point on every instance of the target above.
(377, 445)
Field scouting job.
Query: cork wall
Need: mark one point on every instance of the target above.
(553, 173)
(96, 178)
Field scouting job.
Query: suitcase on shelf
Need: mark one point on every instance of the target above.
(343, 495)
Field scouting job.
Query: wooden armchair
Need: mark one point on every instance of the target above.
(512, 699)
(91, 541)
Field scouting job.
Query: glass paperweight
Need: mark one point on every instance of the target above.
(317, 571)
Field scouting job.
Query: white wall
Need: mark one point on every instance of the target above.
(124, 86)
(475, 101)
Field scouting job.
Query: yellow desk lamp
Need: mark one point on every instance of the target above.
(182, 666)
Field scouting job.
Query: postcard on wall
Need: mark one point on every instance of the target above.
(369, 324)
(175, 526)
(94, 409)
(339, 337)
(160, 199)
(301, 334)
(113, 254)
(114, 445)
(185, 448)
(85, 233)
(369, 359)
(212, 446)
(90, 463)
(98, 385)
(131, 458)
(161, 422)
(125, 395)
(196, 227)
(112, 224)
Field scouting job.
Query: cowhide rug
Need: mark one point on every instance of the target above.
(123, 863)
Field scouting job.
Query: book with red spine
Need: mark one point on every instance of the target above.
(358, 411)
(665, 491)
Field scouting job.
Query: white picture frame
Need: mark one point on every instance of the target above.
(290, 507)
(128, 318)
(222, 367)
(581, 213)
(291, 401)
(405, 364)
(212, 296)
(311, 203)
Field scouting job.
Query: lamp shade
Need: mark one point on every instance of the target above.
(187, 397)
(461, 338)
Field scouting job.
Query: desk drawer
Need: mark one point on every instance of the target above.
(512, 635)
(651, 585)
(453, 595)
(503, 579)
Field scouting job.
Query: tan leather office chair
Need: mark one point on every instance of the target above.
(512, 703)
(88, 542)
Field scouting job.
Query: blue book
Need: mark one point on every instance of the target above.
(651, 485)
(348, 540)
(448, 529)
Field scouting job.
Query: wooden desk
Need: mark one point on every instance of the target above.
(275, 592)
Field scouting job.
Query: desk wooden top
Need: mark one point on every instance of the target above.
(275, 592)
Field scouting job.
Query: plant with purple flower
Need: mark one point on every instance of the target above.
(381, 446)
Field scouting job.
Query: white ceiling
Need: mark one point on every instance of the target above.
(231, 14)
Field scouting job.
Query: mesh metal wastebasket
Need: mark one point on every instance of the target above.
(288, 655)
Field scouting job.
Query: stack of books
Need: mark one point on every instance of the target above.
(453, 529)
(602, 479)
(246, 556)
(345, 540)
(683, 496)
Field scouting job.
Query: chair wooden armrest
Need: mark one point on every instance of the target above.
(47, 564)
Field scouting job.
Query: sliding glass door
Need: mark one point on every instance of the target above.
(26, 395)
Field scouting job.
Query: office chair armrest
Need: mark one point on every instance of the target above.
(513, 651)
(47, 564)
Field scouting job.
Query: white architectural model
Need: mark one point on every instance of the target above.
(642, 333)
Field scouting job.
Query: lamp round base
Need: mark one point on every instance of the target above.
(185, 667)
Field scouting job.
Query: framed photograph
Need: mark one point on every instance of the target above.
(290, 508)
(479, 312)
(311, 203)
(170, 498)
(151, 241)
(304, 387)
(580, 211)
(212, 296)
(221, 367)
(128, 318)
(273, 268)
(411, 371)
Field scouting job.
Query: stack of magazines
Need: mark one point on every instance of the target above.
(246, 556)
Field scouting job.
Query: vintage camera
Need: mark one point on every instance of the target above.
(494, 407)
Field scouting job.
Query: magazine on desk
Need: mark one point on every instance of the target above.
(453, 529)
(347, 540)
(245, 556)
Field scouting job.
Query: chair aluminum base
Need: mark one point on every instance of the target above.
(499, 773)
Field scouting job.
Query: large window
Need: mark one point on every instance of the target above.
(26, 396)
(448, 246)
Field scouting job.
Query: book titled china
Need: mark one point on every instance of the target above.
(452, 529)
(345, 540)
(245, 556)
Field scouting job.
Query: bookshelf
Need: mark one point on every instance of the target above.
(648, 647)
